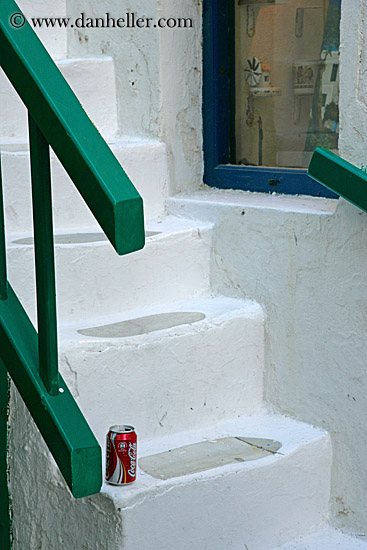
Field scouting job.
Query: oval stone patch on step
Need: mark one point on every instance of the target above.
(206, 455)
(143, 325)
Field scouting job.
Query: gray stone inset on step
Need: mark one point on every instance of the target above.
(144, 325)
(206, 455)
(77, 238)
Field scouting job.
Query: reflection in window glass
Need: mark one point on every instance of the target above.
(334, 73)
(287, 80)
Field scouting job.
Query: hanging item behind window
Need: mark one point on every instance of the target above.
(288, 54)
(304, 77)
(258, 77)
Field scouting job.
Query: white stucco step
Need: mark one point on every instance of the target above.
(255, 505)
(92, 280)
(327, 539)
(180, 365)
(144, 161)
(53, 38)
(245, 505)
(93, 81)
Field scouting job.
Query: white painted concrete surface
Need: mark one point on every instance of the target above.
(158, 76)
(91, 279)
(144, 161)
(169, 380)
(303, 260)
(45, 515)
(13, 115)
(54, 39)
(327, 539)
(226, 507)
(307, 265)
(98, 100)
(234, 505)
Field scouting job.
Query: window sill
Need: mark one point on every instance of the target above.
(300, 204)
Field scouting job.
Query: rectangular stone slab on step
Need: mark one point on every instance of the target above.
(206, 455)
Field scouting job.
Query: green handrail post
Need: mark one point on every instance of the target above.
(340, 176)
(3, 274)
(44, 258)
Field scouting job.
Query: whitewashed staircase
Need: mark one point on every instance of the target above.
(178, 378)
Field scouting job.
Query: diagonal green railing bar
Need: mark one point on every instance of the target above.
(90, 163)
(3, 272)
(58, 418)
(340, 176)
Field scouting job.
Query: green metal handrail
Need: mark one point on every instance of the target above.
(57, 119)
(3, 272)
(339, 176)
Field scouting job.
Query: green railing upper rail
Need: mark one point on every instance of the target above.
(57, 119)
(340, 176)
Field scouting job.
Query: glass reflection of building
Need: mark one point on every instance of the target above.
(293, 99)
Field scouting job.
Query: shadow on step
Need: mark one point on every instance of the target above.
(78, 238)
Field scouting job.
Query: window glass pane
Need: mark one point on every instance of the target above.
(287, 80)
(334, 73)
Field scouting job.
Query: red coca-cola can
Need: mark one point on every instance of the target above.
(121, 455)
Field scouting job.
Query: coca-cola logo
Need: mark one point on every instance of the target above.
(132, 456)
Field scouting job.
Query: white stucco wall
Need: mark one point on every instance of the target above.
(45, 514)
(158, 76)
(158, 71)
(307, 266)
(353, 79)
(309, 271)
(181, 81)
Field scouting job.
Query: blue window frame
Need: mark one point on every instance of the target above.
(220, 169)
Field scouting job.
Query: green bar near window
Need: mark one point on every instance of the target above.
(340, 176)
